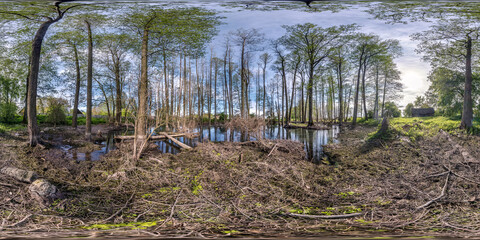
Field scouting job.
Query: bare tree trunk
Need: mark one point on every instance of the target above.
(32, 83)
(384, 93)
(375, 108)
(25, 118)
(215, 93)
(364, 97)
(340, 92)
(88, 121)
(243, 80)
(355, 102)
(467, 115)
(77, 87)
(310, 96)
(264, 89)
(143, 90)
(165, 76)
(118, 96)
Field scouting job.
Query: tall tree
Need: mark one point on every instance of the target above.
(248, 41)
(452, 42)
(315, 44)
(29, 12)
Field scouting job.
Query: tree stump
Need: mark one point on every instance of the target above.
(44, 192)
(384, 128)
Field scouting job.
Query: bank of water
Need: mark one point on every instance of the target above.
(313, 140)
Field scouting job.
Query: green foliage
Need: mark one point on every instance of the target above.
(10, 127)
(368, 122)
(7, 112)
(56, 111)
(418, 128)
(222, 117)
(196, 185)
(408, 110)
(82, 120)
(391, 110)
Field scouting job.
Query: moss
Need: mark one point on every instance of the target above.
(230, 232)
(131, 225)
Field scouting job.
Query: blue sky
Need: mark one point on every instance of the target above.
(414, 70)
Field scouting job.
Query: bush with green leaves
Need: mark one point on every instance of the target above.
(56, 111)
(7, 112)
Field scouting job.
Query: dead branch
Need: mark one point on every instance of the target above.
(120, 210)
(21, 221)
(444, 190)
(273, 149)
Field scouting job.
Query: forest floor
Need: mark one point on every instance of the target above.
(416, 180)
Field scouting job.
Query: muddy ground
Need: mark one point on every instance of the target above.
(396, 186)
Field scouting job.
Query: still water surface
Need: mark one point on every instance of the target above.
(313, 140)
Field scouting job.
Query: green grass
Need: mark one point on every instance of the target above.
(368, 122)
(4, 127)
(417, 128)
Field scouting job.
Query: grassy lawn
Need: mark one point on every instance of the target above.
(417, 128)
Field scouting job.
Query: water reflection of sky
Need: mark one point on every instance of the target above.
(313, 141)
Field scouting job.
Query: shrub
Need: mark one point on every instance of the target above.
(7, 112)
(56, 111)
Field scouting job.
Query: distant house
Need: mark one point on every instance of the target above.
(423, 112)
(79, 114)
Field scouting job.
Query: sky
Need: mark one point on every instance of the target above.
(414, 71)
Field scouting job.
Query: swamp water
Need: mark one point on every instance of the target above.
(313, 141)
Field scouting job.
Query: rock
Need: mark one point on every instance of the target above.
(19, 174)
(44, 192)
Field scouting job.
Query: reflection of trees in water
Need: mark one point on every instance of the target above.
(309, 143)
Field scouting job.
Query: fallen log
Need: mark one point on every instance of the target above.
(19, 174)
(158, 137)
(182, 145)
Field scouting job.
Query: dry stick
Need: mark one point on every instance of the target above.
(414, 221)
(325, 216)
(119, 210)
(460, 176)
(172, 210)
(142, 148)
(460, 228)
(440, 196)
(273, 149)
(21, 221)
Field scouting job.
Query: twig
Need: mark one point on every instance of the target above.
(460, 176)
(273, 149)
(460, 228)
(172, 210)
(444, 189)
(120, 210)
(21, 221)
